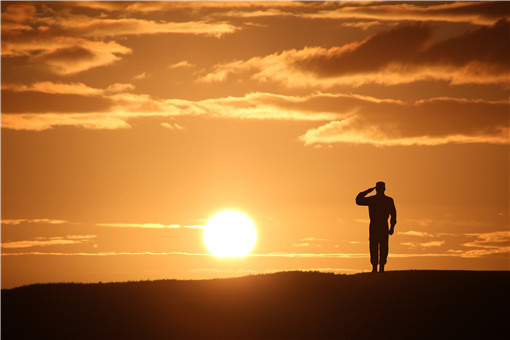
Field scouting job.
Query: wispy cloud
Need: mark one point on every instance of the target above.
(88, 27)
(48, 241)
(33, 220)
(66, 43)
(113, 253)
(351, 119)
(80, 237)
(125, 106)
(45, 121)
(415, 233)
(303, 244)
(478, 13)
(140, 76)
(435, 121)
(479, 244)
(423, 244)
(74, 55)
(173, 126)
(313, 255)
(181, 64)
(476, 253)
(489, 239)
(314, 239)
(449, 253)
(68, 88)
(149, 226)
(352, 255)
(310, 242)
(405, 53)
(219, 6)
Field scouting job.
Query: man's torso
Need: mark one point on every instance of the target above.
(379, 208)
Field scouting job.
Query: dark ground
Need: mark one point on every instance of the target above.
(290, 305)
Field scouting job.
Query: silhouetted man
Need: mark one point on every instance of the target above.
(380, 207)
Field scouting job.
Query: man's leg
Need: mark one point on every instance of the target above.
(384, 252)
(374, 245)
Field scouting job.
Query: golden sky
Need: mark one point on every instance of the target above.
(127, 125)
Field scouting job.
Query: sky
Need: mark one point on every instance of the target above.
(126, 126)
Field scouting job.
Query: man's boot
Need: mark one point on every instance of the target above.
(374, 268)
(381, 268)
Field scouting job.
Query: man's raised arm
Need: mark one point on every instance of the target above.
(361, 199)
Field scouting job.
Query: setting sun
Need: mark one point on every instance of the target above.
(230, 234)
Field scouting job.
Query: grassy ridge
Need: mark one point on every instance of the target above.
(290, 305)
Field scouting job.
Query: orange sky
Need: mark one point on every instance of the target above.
(126, 126)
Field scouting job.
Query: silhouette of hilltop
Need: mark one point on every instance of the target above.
(286, 305)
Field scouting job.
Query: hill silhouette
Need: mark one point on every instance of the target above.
(287, 305)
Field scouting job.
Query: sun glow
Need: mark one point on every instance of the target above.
(230, 234)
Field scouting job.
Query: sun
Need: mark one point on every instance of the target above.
(230, 234)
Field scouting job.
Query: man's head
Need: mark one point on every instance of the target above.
(380, 187)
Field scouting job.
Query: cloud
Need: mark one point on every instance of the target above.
(434, 121)
(313, 255)
(304, 244)
(364, 25)
(492, 240)
(143, 75)
(145, 7)
(171, 126)
(314, 239)
(350, 118)
(114, 27)
(181, 64)
(45, 121)
(50, 23)
(149, 226)
(65, 43)
(74, 59)
(100, 5)
(18, 13)
(221, 6)
(478, 13)
(476, 253)
(80, 237)
(415, 233)
(353, 255)
(36, 243)
(403, 54)
(423, 244)
(33, 220)
(48, 241)
(483, 244)
(126, 106)
(62, 55)
(449, 253)
(67, 88)
(311, 242)
(113, 253)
